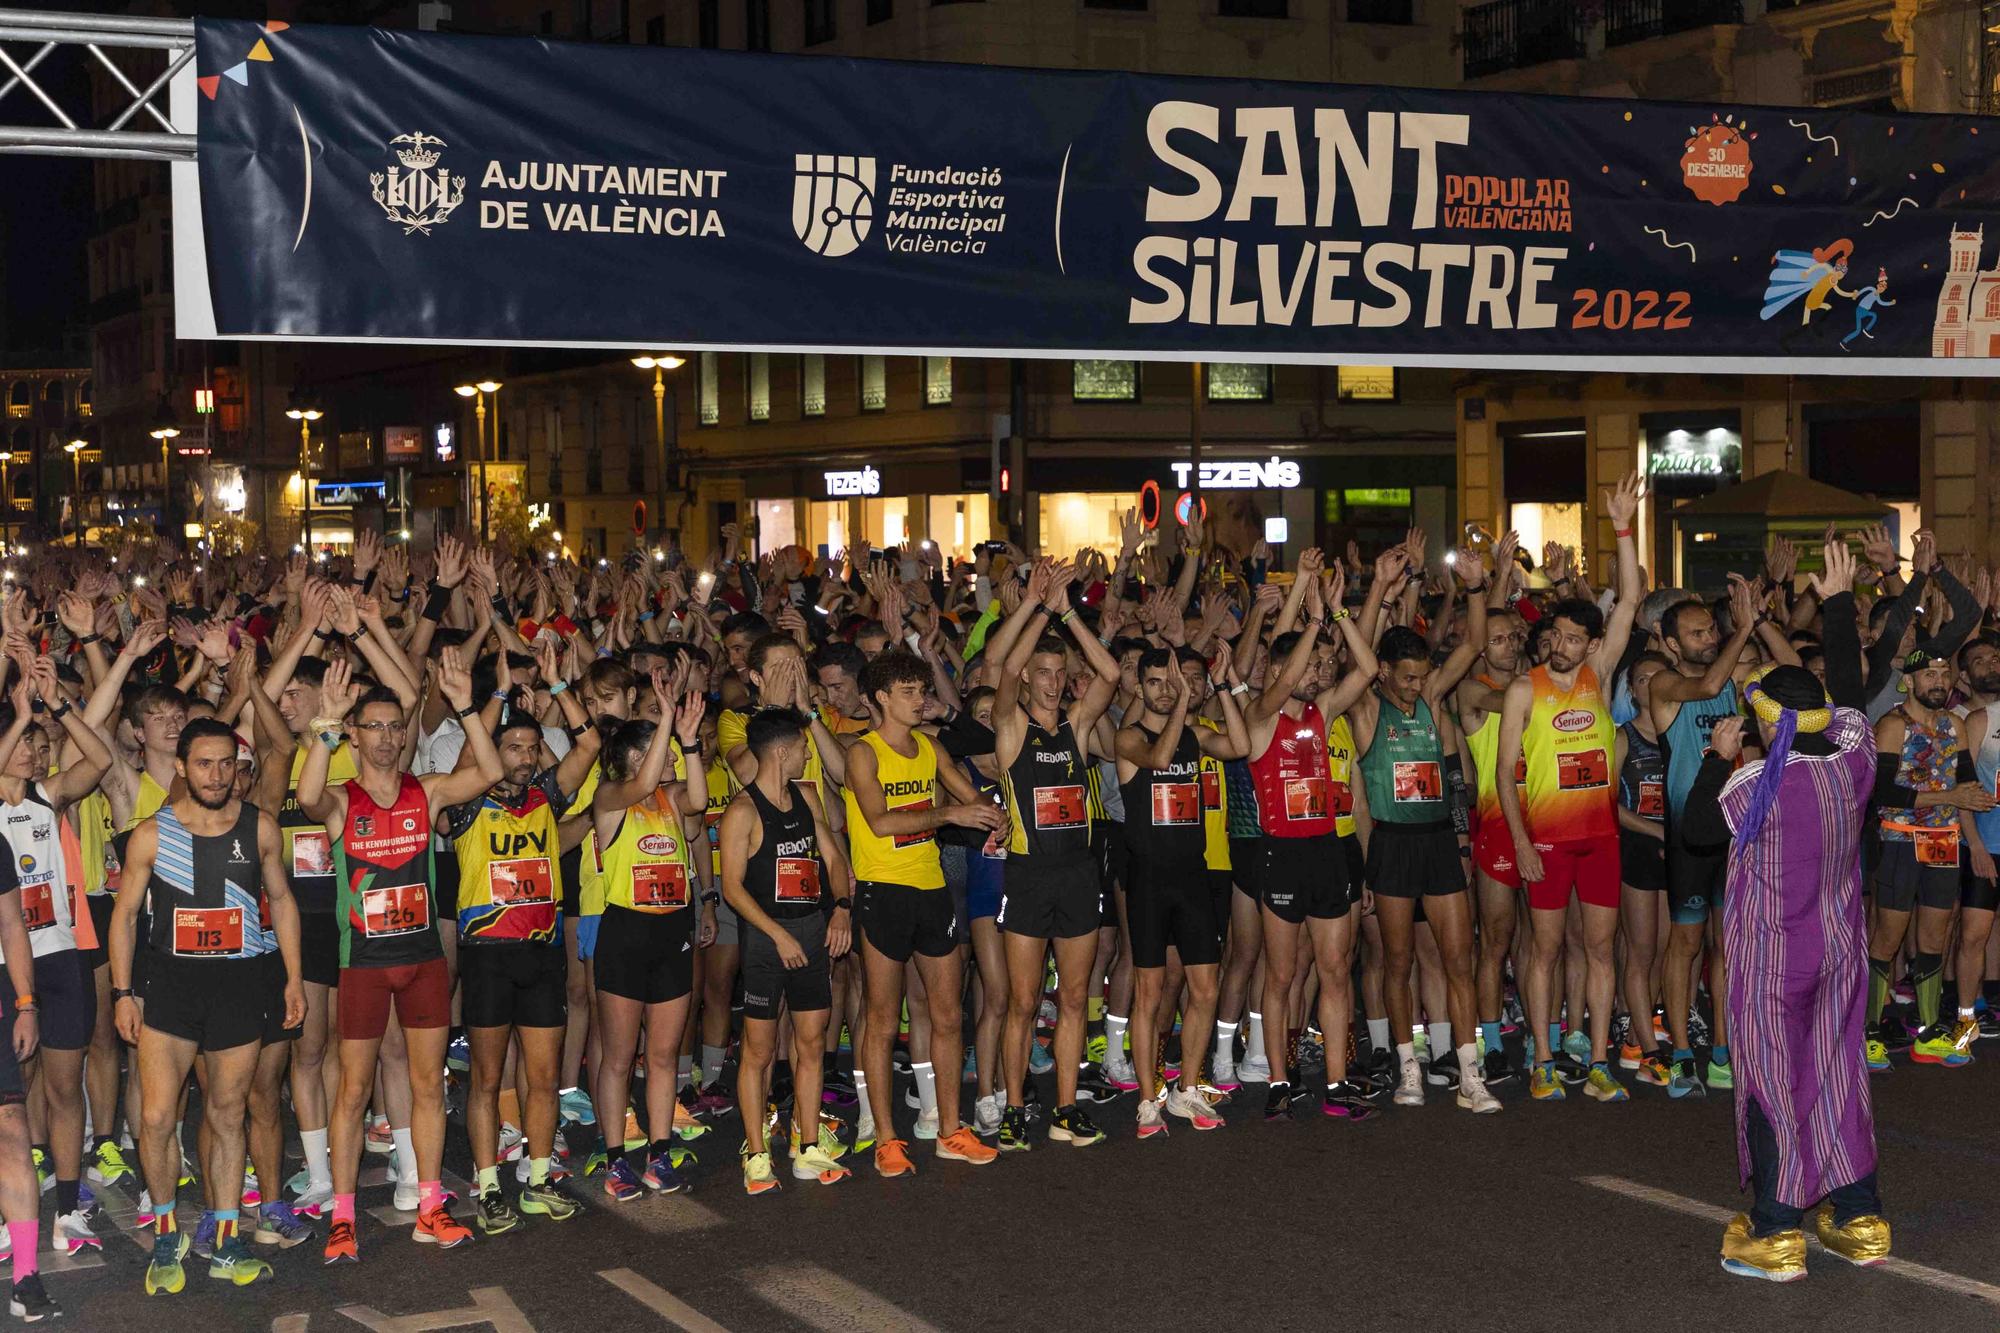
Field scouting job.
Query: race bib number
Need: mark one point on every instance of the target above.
(1306, 798)
(512, 883)
(1343, 800)
(1417, 780)
(312, 853)
(38, 905)
(208, 932)
(1936, 847)
(917, 839)
(660, 885)
(1176, 803)
(398, 909)
(1211, 789)
(798, 879)
(1060, 808)
(1652, 800)
(1582, 770)
(995, 847)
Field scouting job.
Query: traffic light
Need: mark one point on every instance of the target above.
(204, 401)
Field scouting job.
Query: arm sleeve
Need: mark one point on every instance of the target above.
(1702, 823)
(1455, 793)
(1881, 656)
(1964, 617)
(1888, 791)
(1842, 643)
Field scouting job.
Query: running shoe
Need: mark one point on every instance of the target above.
(1655, 1070)
(1621, 1030)
(340, 1244)
(1381, 1071)
(926, 1127)
(165, 1273)
(758, 1177)
(899, 1056)
(1278, 1102)
(1571, 1070)
(1576, 1045)
(1543, 1085)
(598, 1160)
(187, 1176)
(1120, 1075)
(1046, 1014)
(892, 1158)
(1093, 1051)
(1698, 1034)
(1039, 1059)
(1898, 1034)
(1601, 1086)
(1989, 1023)
(1013, 1130)
(962, 1145)
(496, 1217)
(1443, 1071)
(233, 1263)
(1070, 1125)
(714, 1100)
(864, 1129)
(252, 1196)
(1253, 1068)
(1222, 1074)
(1410, 1087)
(548, 1199)
(1720, 1076)
(379, 1138)
(813, 1164)
(575, 1107)
(1776, 1258)
(30, 1303)
(1684, 1082)
(621, 1182)
(1151, 1123)
(524, 1168)
(458, 1055)
(204, 1236)
(1498, 1068)
(73, 1233)
(986, 1114)
(409, 1193)
(43, 1172)
(1091, 1086)
(836, 1088)
(1346, 1100)
(1629, 1055)
(512, 1142)
(143, 1215)
(1473, 1096)
(1660, 1036)
(830, 1141)
(1863, 1242)
(1191, 1106)
(1938, 1044)
(438, 1227)
(108, 1165)
(314, 1199)
(278, 1225)
(968, 1068)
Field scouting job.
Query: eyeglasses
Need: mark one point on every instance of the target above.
(379, 727)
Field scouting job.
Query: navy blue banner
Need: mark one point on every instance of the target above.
(365, 184)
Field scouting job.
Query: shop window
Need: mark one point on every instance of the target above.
(874, 384)
(1238, 382)
(937, 381)
(708, 377)
(812, 385)
(759, 386)
(1366, 384)
(1104, 381)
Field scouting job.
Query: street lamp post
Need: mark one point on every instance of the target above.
(480, 391)
(305, 416)
(75, 450)
(165, 431)
(6, 498)
(659, 365)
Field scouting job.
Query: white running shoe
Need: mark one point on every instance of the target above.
(986, 1114)
(1152, 1124)
(1410, 1092)
(1193, 1107)
(1473, 1095)
(511, 1142)
(864, 1126)
(313, 1200)
(73, 1233)
(1253, 1068)
(927, 1125)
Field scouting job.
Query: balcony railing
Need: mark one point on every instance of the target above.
(1512, 34)
(1627, 21)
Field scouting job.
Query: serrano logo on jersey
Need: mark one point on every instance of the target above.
(1575, 719)
(658, 844)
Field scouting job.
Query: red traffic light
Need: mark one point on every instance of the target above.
(1006, 480)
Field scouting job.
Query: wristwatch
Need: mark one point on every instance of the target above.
(843, 904)
(126, 994)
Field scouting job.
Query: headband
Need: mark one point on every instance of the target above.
(1810, 721)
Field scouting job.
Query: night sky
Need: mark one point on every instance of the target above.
(45, 215)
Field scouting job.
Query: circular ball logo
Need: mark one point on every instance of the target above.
(658, 844)
(1574, 719)
(1715, 162)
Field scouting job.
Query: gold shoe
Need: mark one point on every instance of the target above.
(1864, 1241)
(1776, 1258)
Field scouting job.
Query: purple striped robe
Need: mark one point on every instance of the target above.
(1795, 935)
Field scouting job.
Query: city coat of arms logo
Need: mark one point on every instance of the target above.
(418, 198)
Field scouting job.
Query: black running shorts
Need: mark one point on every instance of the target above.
(769, 985)
(1167, 902)
(645, 956)
(1903, 884)
(1643, 861)
(1050, 902)
(512, 983)
(898, 920)
(66, 998)
(1415, 860)
(319, 948)
(217, 1003)
(1305, 877)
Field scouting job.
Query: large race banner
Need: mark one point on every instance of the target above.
(355, 183)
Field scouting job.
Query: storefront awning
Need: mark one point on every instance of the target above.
(1781, 496)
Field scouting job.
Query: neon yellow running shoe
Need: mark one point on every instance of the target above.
(1544, 1086)
(165, 1273)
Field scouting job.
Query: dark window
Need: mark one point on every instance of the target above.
(1382, 11)
(708, 23)
(1874, 450)
(819, 21)
(1544, 461)
(656, 30)
(880, 11)
(756, 25)
(1251, 9)
(548, 22)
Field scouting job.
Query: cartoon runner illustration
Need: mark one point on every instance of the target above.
(1810, 274)
(1865, 307)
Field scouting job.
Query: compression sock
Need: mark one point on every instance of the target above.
(682, 1069)
(1225, 1045)
(1114, 1037)
(26, 1239)
(1878, 989)
(343, 1208)
(406, 1156)
(489, 1179)
(1554, 1048)
(225, 1227)
(1440, 1040)
(926, 1076)
(711, 1063)
(1490, 1033)
(1927, 974)
(1253, 1040)
(165, 1223)
(1378, 1034)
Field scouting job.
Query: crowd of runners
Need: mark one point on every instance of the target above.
(900, 855)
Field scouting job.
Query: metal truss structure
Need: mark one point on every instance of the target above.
(78, 135)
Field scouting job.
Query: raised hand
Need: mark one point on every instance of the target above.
(1726, 739)
(346, 618)
(1838, 576)
(1621, 502)
(77, 613)
(367, 552)
(1333, 588)
(687, 718)
(1923, 553)
(1311, 561)
(1415, 544)
(1742, 602)
(146, 636)
(315, 603)
(1879, 547)
(451, 562)
(337, 691)
(212, 640)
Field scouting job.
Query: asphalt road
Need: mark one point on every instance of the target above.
(1571, 1216)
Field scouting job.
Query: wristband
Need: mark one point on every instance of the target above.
(563, 625)
(1622, 532)
(1342, 614)
(645, 616)
(501, 695)
(557, 688)
(470, 710)
(88, 639)
(332, 739)
(710, 898)
(322, 634)
(360, 633)
(1239, 688)
(59, 709)
(25, 1001)
(437, 600)
(123, 993)
(1067, 616)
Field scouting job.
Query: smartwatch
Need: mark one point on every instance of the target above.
(843, 904)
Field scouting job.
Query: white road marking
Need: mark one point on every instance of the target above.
(831, 1303)
(490, 1305)
(1934, 1277)
(661, 1302)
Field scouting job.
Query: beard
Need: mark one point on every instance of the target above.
(228, 795)
(1987, 684)
(1935, 699)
